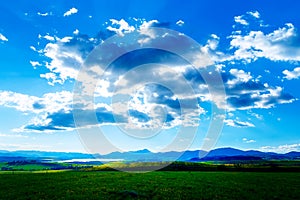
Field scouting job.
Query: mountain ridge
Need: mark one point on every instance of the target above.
(147, 155)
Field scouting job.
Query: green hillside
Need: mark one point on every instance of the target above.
(154, 185)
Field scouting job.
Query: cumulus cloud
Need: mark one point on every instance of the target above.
(257, 97)
(275, 46)
(71, 12)
(246, 19)
(76, 32)
(240, 20)
(21, 102)
(120, 27)
(53, 111)
(240, 77)
(49, 102)
(289, 75)
(66, 55)
(243, 92)
(3, 38)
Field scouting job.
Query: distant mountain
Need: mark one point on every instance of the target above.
(293, 154)
(144, 155)
(141, 151)
(225, 152)
(230, 154)
(41, 155)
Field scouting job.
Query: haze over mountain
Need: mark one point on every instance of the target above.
(145, 155)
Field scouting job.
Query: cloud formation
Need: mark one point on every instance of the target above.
(275, 46)
(240, 20)
(3, 38)
(237, 123)
(285, 148)
(244, 91)
(289, 75)
(49, 102)
(71, 12)
(120, 27)
(66, 56)
(246, 140)
(44, 14)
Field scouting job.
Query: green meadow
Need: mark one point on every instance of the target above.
(152, 185)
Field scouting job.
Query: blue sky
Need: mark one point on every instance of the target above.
(49, 47)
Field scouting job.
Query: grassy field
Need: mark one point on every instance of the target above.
(154, 185)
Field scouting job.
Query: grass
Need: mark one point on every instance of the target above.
(154, 185)
(37, 166)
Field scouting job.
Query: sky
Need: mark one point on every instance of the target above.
(103, 76)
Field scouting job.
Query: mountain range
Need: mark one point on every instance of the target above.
(221, 154)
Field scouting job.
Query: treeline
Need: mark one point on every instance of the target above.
(194, 166)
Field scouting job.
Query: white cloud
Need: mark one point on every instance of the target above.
(281, 148)
(32, 48)
(67, 54)
(263, 98)
(47, 37)
(240, 20)
(76, 32)
(238, 124)
(44, 108)
(50, 38)
(255, 14)
(241, 77)
(144, 30)
(3, 38)
(65, 61)
(271, 94)
(246, 140)
(295, 74)
(212, 43)
(120, 27)
(275, 46)
(49, 102)
(21, 102)
(35, 63)
(180, 23)
(70, 12)
(44, 14)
